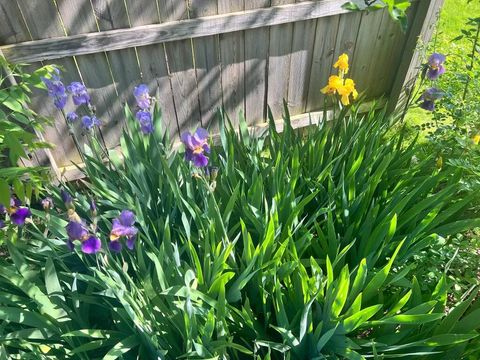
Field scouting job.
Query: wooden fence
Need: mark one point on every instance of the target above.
(198, 55)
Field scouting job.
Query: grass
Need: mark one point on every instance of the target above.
(453, 16)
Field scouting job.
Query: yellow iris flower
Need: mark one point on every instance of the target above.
(342, 63)
(346, 90)
(476, 139)
(334, 83)
(338, 85)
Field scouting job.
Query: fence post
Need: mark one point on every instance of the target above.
(421, 29)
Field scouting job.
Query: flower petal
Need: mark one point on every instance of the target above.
(115, 246)
(91, 245)
(20, 215)
(131, 242)
(200, 160)
(127, 218)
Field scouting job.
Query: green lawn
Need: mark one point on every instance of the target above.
(453, 17)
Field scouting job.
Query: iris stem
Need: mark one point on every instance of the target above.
(472, 58)
(72, 134)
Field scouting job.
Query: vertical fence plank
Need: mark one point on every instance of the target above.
(112, 14)
(181, 68)
(78, 18)
(153, 63)
(367, 42)
(323, 57)
(207, 65)
(256, 56)
(42, 21)
(279, 63)
(300, 64)
(232, 55)
(386, 56)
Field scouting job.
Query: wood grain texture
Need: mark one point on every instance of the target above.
(153, 63)
(42, 21)
(13, 29)
(386, 57)
(367, 45)
(172, 30)
(181, 68)
(279, 63)
(256, 65)
(78, 17)
(232, 55)
(323, 59)
(207, 66)
(301, 64)
(123, 65)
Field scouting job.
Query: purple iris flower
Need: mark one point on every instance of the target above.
(145, 120)
(3, 209)
(142, 97)
(88, 122)
(123, 226)
(2, 224)
(72, 116)
(428, 98)
(195, 147)
(56, 89)
(76, 231)
(47, 203)
(115, 246)
(19, 215)
(60, 101)
(79, 93)
(435, 66)
(91, 245)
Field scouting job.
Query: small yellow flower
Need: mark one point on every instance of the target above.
(350, 85)
(334, 83)
(342, 63)
(476, 139)
(346, 90)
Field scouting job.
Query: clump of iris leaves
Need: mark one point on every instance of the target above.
(298, 247)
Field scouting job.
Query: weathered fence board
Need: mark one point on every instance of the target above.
(43, 22)
(232, 56)
(323, 52)
(198, 55)
(256, 54)
(181, 68)
(207, 65)
(171, 31)
(301, 57)
(279, 63)
(153, 62)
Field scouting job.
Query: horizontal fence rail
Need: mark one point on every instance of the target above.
(58, 47)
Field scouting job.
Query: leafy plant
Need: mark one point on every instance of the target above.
(396, 8)
(287, 245)
(20, 128)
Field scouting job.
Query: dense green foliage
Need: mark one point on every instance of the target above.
(17, 137)
(291, 246)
